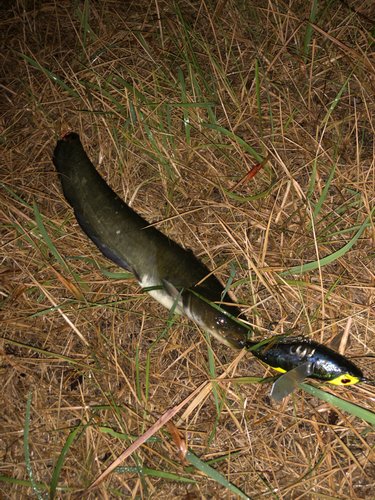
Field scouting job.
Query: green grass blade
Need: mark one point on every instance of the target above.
(84, 21)
(308, 32)
(181, 79)
(16, 196)
(337, 98)
(312, 180)
(323, 195)
(42, 486)
(26, 450)
(147, 377)
(351, 408)
(130, 88)
(259, 102)
(167, 475)
(144, 45)
(170, 129)
(46, 238)
(37, 102)
(21, 231)
(330, 258)
(102, 51)
(235, 138)
(213, 430)
(156, 148)
(126, 437)
(230, 281)
(57, 229)
(266, 86)
(252, 380)
(51, 354)
(48, 73)
(156, 473)
(254, 197)
(213, 474)
(138, 380)
(106, 93)
(117, 276)
(50, 245)
(60, 462)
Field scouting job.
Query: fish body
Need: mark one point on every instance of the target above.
(176, 277)
(156, 261)
(285, 354)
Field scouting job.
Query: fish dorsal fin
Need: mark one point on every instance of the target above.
(290, 380)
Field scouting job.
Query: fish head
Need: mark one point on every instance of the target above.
(335, 368)
(348, 377)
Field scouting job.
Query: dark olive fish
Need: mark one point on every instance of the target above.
(156, 261)
(174, 274)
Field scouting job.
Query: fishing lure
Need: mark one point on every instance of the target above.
(175, 278)
(301, 358)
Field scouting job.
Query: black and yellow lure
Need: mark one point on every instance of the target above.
(175, 278)
(300, 358)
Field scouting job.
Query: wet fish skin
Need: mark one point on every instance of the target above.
(156, 261)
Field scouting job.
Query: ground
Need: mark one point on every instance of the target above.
(175, 102)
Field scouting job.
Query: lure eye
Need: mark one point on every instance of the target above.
(221, 321)
(345, 381)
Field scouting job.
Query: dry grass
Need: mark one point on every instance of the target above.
(99, 353)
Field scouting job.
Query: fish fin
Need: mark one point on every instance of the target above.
(106, 251)
(290, 380)
(170, 289)
(177, 306)
(136, 275)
